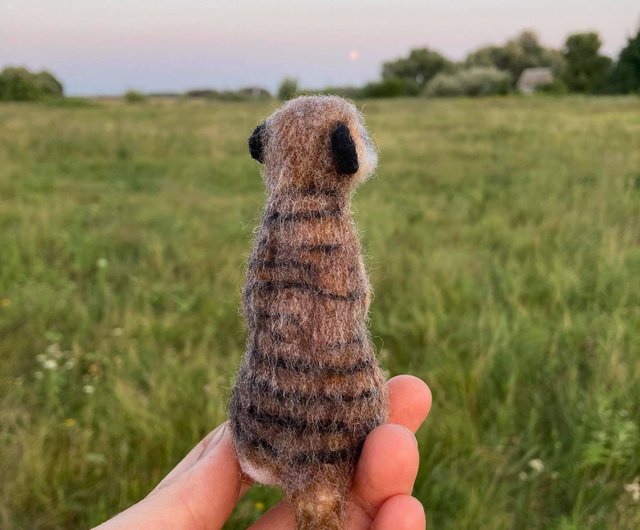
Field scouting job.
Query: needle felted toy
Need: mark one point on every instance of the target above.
(309, 389)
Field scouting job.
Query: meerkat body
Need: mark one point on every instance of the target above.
(309, 389)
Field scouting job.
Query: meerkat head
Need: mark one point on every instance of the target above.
(314, 141)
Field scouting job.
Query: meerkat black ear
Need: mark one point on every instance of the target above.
(344, 150)
(256, 143)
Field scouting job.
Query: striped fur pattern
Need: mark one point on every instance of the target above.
(309, 389)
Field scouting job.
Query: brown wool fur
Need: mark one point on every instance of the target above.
(309, 389)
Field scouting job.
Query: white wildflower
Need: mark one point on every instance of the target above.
(41, 358)
(522, 476)
(88, 389)
(117, 332)
(633, 489)
(38, 375)
(50, 364)
(54, 350)
(537, 465)
(102, 263)
(69, 364)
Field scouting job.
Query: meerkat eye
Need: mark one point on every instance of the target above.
(256, 143)
(344, 150)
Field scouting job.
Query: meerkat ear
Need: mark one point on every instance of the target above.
(344, 150)
(256, 143)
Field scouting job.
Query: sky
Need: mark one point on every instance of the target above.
(109, 46)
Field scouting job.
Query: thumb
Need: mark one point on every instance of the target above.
(199, 494)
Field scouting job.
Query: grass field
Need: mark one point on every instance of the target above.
(503, 242)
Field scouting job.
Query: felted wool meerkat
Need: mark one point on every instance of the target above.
(309, 389)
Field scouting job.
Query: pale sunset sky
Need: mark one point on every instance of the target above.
(109, 46)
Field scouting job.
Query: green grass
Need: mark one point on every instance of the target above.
(503, 242)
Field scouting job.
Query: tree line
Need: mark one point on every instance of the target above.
(579, 67)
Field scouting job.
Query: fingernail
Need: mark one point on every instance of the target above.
(216, 438)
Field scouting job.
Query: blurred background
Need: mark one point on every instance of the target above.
(502, 234)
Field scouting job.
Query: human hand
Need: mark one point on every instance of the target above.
(202, 490)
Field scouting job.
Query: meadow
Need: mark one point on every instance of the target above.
(503, 244)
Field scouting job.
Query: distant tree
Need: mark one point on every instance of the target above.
(203, 93)
(625, 77)
(18, 84)
(586, 70)
(417, 69)
(288, 89)
(134, 96)
(524, 51)
(48, 85)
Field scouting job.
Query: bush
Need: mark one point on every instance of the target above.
(444, 85)
(288, 88)
(18, 84)
(390, 87)
(133, 96)
(485, 81)
(557, 87)
(474, 82)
